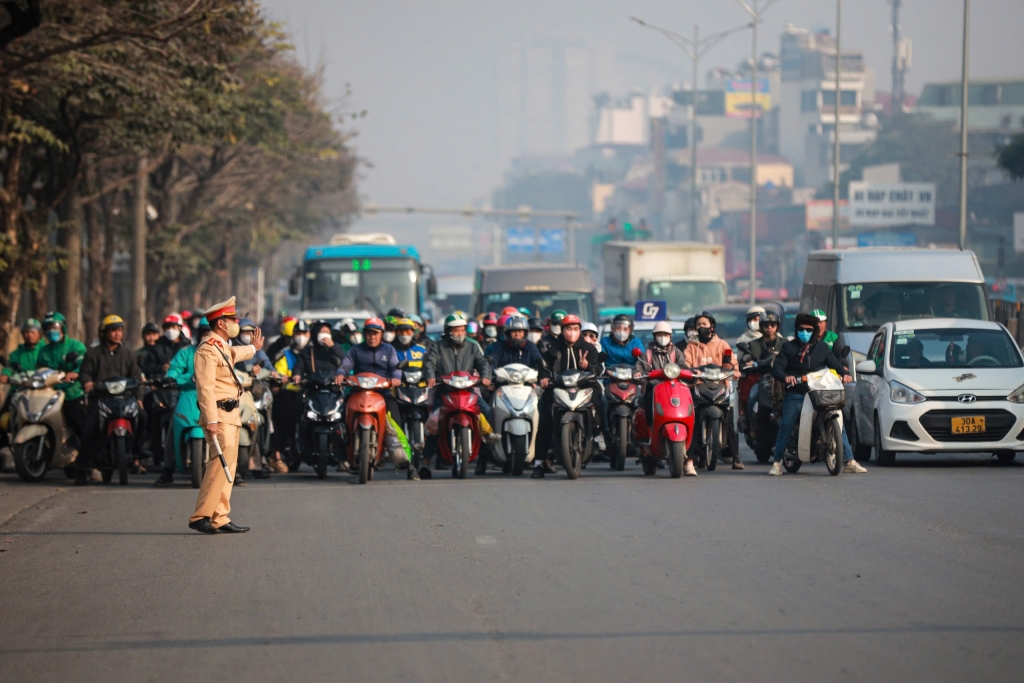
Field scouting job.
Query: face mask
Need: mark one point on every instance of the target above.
(301, 340)
(53, 335)
(753, 326)
(405, 339)
(389, 337)
(172, 333)
(245, 338)
(355, 338)
(535, 336)
(556, 330)
(490, 331)
(620, 335)
(323, 338)
(691, 335)
(662, 339)
(804, 336)
(457, 337)
(704, 334)
(233, 329)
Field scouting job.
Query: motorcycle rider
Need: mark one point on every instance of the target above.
(753, 330)
(182, 371)
(260, 360)
(287, 408)
(420, 334)
(284, 341)
(824, 334)
(347, 334)
(566, 352)
(766, 346)
(803, 354)
(154, 361)
(455, 352)
(536, 331)
(110, 358)
(659, 353)
(709, 349)
(374, 356)
(25, 356)
(150, 333)
(65, 355)
(515, 348)
(554, 330)
(618, 350)
(488, 329)
(690, 334)
(409, 349)
(323, 353)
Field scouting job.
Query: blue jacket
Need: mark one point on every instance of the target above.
(621, 353)
(381, 361)
(415, 355)
(502, 353)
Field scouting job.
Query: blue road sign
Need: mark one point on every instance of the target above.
(651, 310)
(519, 240)
(552, 241)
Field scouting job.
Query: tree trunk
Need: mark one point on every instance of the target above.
(137, 316)
(96, 282)
(13, 277)
(69, 281)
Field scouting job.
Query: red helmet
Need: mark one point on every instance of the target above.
(571, 319)
(503, 320)
(490, 319)
(510, 311)
(373, 324)
(173, 319)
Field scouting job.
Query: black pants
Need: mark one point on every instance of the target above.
(285, 414)
(545, 425)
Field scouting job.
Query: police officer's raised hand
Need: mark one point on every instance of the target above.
(4, 379)
(257, 338)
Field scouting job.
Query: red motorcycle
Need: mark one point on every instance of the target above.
(367, 423)
(669, 437)
(458, 425)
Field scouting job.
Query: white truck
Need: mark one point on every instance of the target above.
(688, 276)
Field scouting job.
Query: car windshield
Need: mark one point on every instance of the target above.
(686, 298)
(868, 306)
(730, 324)
(540, 304)
(954, 348)
(356, 284)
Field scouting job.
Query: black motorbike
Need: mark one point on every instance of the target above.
(713, 419)
(414, 403)
(119, 419)
(160, 404)
(574, 419)
(321, 430)
(763, 423)
(623, 395)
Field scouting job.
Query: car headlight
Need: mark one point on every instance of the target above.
(312, 415)
(1017, 396)
(900, 393)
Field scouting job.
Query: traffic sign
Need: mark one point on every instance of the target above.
(520, 240)
(552, 241)
(651, 310)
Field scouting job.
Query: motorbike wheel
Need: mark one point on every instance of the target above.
(322, 446)
(650, 466)
(70, 471)
(517, 454)
(242, 463)
(31, 459)
(464, 442)
(571, 455)
(198, 467)
(364, 455)
(712, 443)
(676, 458)
(763, 446)
(622, 445)
(833, 443)
(123, 461)
(107, 474)
(791, 463)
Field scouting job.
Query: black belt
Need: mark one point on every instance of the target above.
(228, 404)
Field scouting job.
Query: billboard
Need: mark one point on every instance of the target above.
(819, 214)
(879, 205)
(737, 98)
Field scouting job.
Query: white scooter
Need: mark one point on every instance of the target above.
(515, 417)
(818, 436)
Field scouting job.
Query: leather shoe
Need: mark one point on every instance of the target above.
(232, 528)
(203, 526)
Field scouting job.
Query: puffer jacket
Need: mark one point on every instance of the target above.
(712, 353)
(657, 357)
(444, 358)
(621, 354)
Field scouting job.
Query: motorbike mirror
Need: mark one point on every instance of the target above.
(844, 352)
(727, 353)
(744, 347)
(637, 353)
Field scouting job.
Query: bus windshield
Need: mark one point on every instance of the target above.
(684, 298)
(868, 306)
(540, 304)
(355, 284)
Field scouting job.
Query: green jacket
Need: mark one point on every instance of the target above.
(52, 356)
(183, 369)
(830, 338)
(25, 358)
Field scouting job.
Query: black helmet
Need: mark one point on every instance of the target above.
(705, 314)
(395, 313)
(300, 326)
(516, 323)
(769, 317)
(690, 323)
(535, 324)
(622, 318)
(150, 327)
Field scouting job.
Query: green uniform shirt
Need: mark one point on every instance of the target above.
(53, 356)
(830, 338)
(24, 357)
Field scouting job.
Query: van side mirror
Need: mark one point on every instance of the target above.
(866, 367)
(428, 271)
(293, 283)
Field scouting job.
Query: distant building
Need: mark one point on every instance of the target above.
(809, 113)
(992, 106)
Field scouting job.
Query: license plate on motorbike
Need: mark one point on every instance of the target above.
(969, 425)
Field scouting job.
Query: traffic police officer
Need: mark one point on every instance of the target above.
(217, 392)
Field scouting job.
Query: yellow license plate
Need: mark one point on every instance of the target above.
(968, 425)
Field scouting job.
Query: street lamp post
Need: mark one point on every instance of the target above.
(835, 130)
(695, 48)
(965, 71)
(755, 13)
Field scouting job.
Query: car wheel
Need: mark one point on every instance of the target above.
(1006, 457)
(885, 458)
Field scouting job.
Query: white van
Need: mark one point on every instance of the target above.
(862, 289)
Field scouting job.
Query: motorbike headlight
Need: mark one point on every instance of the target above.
(115, 388)
(413, 377)
(334, 416)
(1017, 396)
(900, 393)
(671, 371)
(367, 382)
(422, 398)
(570, 380)
(131, 408)
(312, 415)
(623, 374)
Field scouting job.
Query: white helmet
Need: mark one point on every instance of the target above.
(589, 327)
(662, 326)
(754, 310)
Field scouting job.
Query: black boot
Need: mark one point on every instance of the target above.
(166, 478)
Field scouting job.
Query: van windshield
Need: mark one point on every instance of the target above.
(687, 297)
(868, 306)
(540, 304)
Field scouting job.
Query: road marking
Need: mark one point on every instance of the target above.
(486, 541)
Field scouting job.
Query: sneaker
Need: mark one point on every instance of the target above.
(689, 470)
(412, 474)
(853, 467)
(776, 470)
(425, 473)
(277, 465)
(548, 467)
(538, 472)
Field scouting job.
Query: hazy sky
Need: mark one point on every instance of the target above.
(427, 71)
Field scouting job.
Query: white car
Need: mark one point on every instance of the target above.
(939, 385)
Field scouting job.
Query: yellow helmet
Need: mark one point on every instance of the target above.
(288, 326)
(111, 321)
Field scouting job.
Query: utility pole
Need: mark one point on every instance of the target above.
(137, 315)
(835, 131)
(755, 13)
(897, 71)
(964, 87)
(694, 48)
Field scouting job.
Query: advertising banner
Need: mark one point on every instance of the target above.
(737, 98)
(879, 205)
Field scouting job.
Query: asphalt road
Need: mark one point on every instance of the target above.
(912, 573)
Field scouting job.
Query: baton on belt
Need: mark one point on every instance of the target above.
(223, 462)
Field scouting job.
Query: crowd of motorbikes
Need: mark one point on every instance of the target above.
(345, 425)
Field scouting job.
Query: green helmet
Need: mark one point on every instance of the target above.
(556, 316)
(455, 320)
(55, 318)
(819, 314)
